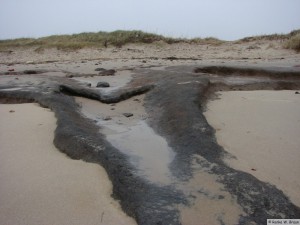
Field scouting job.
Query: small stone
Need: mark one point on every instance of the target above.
(100, 69)
(221, 197)
(89, 85)
(30, 72)
(128, 114)
(11, 111)
(144, 61)
(112, 109)
(102, 84)
(107, 118)
(297, 93)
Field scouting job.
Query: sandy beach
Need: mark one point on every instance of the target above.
(40, 185)
(145, 146)
(259, 130)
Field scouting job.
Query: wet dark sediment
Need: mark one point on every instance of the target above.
(175, 103)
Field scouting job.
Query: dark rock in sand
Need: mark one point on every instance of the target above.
(128, 114)
(297, 92)
(30, 72)
(102, 84)
(99, 69)
(107, 72)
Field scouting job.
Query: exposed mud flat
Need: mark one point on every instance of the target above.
(150, 154)
(260, 130)
(149, 133)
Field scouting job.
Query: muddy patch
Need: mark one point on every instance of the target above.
(147, 151)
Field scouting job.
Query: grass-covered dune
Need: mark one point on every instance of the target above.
(100, 39)
(120, 38)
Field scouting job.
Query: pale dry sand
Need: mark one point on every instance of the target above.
(259, 52)
(260, 129)
(40, 185)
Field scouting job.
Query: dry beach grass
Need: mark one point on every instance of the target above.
(120, 38)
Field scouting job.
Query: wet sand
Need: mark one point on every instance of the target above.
(260, 130)
(148, 152)
(40, 185)
(120, 79)
(209, 203)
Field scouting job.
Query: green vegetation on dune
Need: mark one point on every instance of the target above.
(293, 43)
(270, 37)
(291, 40)
(120, 38)
(101, 39)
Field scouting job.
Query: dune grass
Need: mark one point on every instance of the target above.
(293, 43)
(269, 37)
(117, 38)
(86, 40)
(290, 40)
(120, 38)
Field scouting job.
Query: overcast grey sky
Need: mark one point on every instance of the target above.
(224, 19)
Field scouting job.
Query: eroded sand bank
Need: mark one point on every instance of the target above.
(261, 130)
(40, 185)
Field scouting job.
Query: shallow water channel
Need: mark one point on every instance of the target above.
(148, 152)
